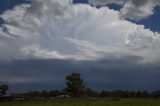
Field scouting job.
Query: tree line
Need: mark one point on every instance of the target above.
(90, 93)
(76, 87)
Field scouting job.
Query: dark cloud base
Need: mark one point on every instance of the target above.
(108, 74)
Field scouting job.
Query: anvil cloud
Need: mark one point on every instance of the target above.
(62, 30)
(50, 30)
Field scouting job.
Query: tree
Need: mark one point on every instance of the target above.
(54, 93)
(44, 93)
(75, 85)
(139, 94)
(156, 94)
(89, 92)
(3, 89)
(145, 94)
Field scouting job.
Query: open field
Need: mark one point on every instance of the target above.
(85, 102)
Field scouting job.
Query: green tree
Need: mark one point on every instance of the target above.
(3, 89)
(75, 85)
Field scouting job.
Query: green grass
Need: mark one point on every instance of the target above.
(85, 102)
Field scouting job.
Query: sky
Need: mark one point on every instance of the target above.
(113, 44)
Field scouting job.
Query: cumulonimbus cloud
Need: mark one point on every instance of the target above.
(59, 29)
(133, 9)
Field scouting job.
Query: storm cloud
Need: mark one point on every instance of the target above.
(62, 30)
(109, 73)
(45, 40)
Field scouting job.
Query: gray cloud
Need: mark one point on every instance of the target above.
(133, 9)
(108, 73)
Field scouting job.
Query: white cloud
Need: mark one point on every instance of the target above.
(37, 52)
(62, 30)
(133, 9)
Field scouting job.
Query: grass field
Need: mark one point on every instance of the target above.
(84, 102)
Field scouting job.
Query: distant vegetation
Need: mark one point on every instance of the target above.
(76, 87)
(90, 93)
(84, 102)
(3, 89)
